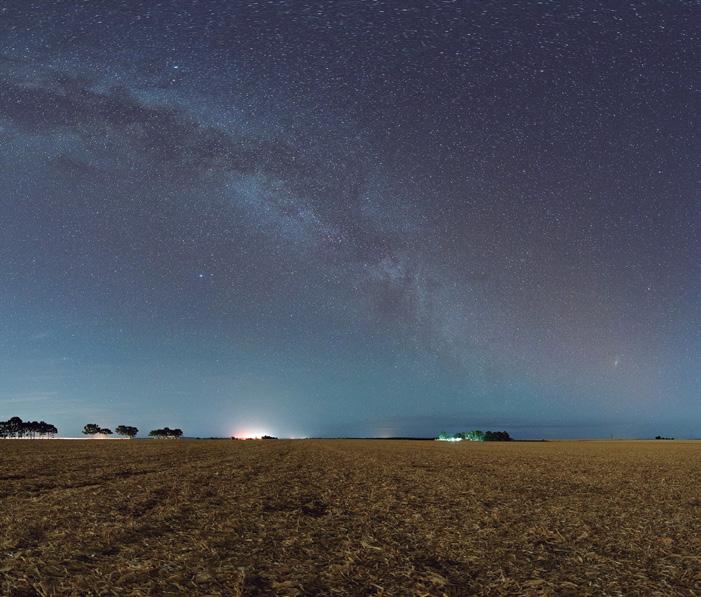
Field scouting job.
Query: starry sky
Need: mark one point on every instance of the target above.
(371, 218)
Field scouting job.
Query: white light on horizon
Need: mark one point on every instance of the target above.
(251, 433)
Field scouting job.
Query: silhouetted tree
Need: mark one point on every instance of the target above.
(497, 436)
(31, 428)
(91, 429)
(127, 430)
(9, 428)
(17, 428)
(95, 429)
(47, 429)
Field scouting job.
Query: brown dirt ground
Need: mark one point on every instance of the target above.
(331, 517)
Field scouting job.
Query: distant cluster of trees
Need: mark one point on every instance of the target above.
(476, 436)
(124, 430)
(17, 428)
(131, 432)
(95, 429)
(662, 437)
(166, 433)
(127, 431)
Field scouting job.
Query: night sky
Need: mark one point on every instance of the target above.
(352, 218)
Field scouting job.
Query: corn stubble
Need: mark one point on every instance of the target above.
(349, 518)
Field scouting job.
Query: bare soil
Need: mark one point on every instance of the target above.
(329, 517)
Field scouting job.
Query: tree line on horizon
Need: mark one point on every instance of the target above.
(17, 428)
(131, 432)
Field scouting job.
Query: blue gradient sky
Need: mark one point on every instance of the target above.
(375, 218)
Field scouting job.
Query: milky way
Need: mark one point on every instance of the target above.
(352, 218)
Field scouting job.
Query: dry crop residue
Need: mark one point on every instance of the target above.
(349, 518)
